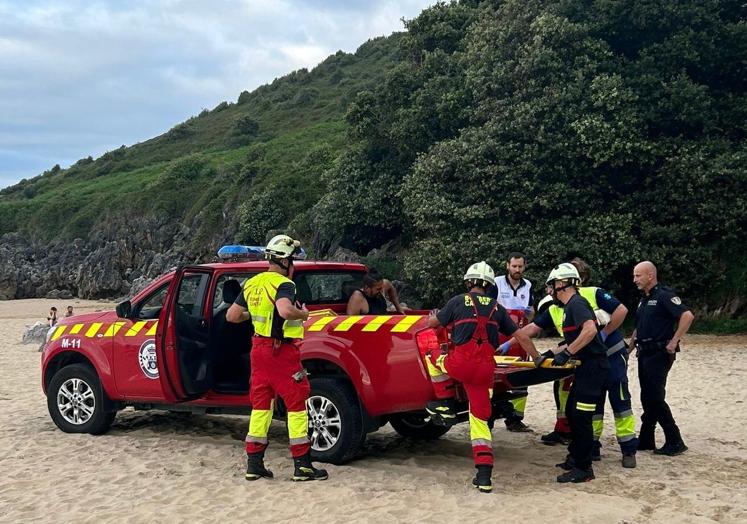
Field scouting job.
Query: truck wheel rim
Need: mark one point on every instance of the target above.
(325, 424)
(75, 401)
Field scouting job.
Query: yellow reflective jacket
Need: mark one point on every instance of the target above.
(259, 293)
(556, 312)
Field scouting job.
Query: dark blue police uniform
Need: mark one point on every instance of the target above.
(657, 315)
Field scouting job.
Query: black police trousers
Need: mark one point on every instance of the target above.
(653, 369)
(587, 390)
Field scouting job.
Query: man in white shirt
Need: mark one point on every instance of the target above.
(514, 292)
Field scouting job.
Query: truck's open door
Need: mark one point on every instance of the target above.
(183, 336)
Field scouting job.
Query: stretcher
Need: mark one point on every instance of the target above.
(516, 362)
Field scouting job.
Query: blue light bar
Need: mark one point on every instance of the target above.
(236, 252)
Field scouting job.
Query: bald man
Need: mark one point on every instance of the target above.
(657, 342)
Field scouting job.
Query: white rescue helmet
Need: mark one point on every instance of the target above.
(281, 246)
(564, 271)
(480, 271)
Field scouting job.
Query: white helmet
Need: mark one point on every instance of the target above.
(564, 271)
(281, 246)
(480, 271)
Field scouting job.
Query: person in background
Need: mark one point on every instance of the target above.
(371, 299)
(69, 312)
(514, 293)
(52, 317)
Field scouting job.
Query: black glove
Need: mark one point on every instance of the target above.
(544, 356)
(561, 358)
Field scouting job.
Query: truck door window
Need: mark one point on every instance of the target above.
(191, 294)
(218, 293)
(151, 307)
(332, 287)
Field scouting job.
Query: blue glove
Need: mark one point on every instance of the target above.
(503, 348)
(528, 310)
(562, 358)
(603, 335)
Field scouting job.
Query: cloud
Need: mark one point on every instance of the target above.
(78, 78)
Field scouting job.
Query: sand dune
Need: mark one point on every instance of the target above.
(155, 466)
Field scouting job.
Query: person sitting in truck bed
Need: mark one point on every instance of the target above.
(371, 299)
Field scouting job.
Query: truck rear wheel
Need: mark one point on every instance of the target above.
(418, 425)
(335, 421)
(77, 402)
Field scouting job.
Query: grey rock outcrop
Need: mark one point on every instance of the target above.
(35, 334)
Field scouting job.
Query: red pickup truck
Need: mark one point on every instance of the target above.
(170, 347)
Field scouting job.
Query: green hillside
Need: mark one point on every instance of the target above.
(285, 133)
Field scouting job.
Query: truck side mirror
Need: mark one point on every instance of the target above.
(124, 309)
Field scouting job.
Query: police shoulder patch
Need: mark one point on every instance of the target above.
(676, 300)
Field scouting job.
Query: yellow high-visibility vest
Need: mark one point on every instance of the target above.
(259, 293)
(556, 312)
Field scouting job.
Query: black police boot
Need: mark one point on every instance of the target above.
(673, 444)
(646, 438)
(255, 466)
(576, 475)
(305, 471)
(568, 464)
(555, 437)
(671, 449)
(443, 412)
(482, 479)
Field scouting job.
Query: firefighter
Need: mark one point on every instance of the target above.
(475, 320)
(609, 313)
(514, 292)
(583, 343)
(268, 301)
(657, 343)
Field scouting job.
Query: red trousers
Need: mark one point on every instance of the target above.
(273, 367)
(473, 365)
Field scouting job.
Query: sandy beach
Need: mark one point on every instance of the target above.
(158, 466)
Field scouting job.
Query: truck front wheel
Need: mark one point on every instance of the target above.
(335, 421)
(77, 402)
(417, 425)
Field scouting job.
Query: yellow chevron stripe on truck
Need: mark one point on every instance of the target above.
(367, 323)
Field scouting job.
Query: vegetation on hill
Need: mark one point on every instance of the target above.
(606, 129)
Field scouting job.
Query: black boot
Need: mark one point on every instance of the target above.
(576, 475)
(255, 466)
(568, 464)
(673, 444)
(556, 437)
(442, 412)
(482, 479)
(305, 471)
(671, 449)
(646, 438)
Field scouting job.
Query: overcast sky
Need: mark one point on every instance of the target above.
(80, 78)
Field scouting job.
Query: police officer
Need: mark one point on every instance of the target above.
(583, 343)
(475, 320)
(268, 301)
(657, 343)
